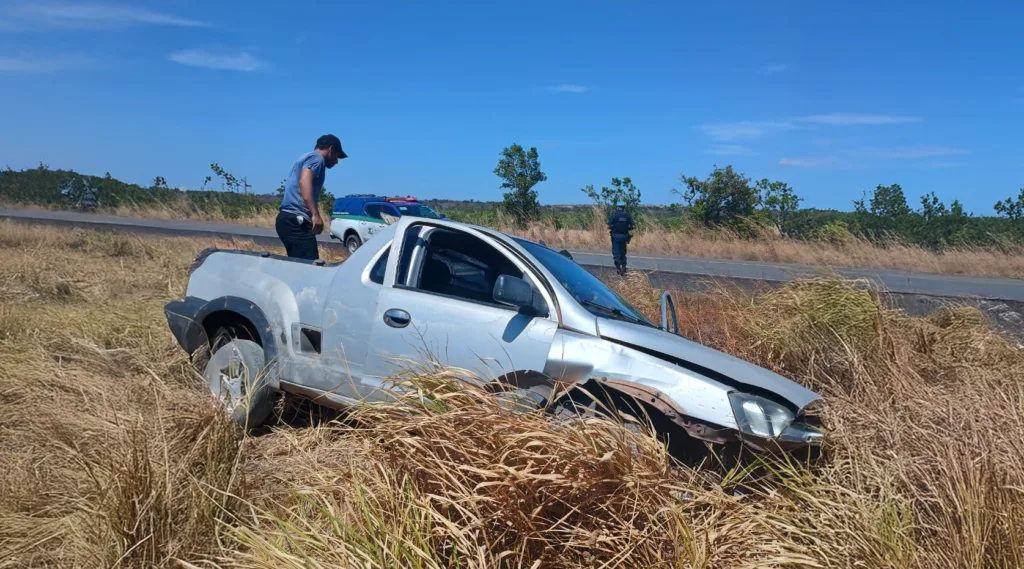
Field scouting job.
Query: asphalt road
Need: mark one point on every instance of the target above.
(890, 280)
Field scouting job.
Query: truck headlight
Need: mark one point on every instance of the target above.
(759, 416)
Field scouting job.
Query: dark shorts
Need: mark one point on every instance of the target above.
(297, 236)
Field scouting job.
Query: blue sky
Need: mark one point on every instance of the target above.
(833, 98)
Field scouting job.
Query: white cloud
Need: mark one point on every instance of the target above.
(915, 152)
(863, 155)
(90, 15)
(567, 88)
(743, 130)
(942, 164)
(773, 69)
(241, 61)
(813, 162)
(847, 119)
(47, 64)
(730, 150)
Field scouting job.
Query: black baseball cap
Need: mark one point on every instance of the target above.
(331, 141)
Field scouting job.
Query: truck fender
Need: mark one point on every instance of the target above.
(186, 319)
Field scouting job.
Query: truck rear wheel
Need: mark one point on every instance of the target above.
(352, 242)
(235, 375)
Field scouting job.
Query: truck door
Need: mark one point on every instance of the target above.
(373, 222)
(348, 319)
(436, 306)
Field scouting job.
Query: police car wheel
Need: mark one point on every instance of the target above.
(352, 243)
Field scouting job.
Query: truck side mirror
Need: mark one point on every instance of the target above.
(517, 292)
(668, 309)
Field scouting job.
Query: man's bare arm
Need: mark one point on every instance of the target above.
(306, 189)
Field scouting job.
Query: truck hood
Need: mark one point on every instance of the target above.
(705, 361)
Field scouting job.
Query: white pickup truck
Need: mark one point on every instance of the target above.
(507, 310)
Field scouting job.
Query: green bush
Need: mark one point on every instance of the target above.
(834, 232)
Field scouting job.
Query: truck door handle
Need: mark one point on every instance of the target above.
(397, 318)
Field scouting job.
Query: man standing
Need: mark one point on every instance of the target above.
(620, 224)
(298, 221)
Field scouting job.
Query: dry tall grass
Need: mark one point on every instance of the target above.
(1004, 261)
(113, 456)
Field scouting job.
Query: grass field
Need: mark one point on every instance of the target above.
(1006, 260)
(113, 456)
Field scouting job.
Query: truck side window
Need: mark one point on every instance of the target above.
(380, 267)
(373, 210)
(459, 265)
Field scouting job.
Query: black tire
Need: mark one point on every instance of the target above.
(235, 374)
(352, 242)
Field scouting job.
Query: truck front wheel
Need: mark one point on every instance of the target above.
(235, 375)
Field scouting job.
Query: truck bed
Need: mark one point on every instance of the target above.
(205, 253)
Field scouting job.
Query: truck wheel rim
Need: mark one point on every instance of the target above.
(224, 376)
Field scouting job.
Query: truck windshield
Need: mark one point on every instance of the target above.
(418, 210)
(588, 290)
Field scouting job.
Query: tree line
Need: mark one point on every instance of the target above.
(728, 199)
(724, 199)
(43, 186)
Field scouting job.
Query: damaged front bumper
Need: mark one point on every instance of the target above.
(762, 420)
(801, 434)
(789, 433)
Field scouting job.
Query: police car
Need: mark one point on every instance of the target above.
(356, 218)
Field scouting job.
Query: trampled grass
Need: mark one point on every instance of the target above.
(113, 456)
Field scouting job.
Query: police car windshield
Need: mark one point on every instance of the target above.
(598, 298)
(418, 210)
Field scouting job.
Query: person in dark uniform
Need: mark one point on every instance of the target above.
(620, 224)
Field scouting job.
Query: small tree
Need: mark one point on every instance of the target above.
(159, 182)
(939, 226)
(724, 198)
(621, 190)
(1011, 208)
(889, 202)
(932, 207)
(230, 182)
(520, 171)
(780, 202)
(886, 211)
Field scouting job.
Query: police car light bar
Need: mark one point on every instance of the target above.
(401, 199)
